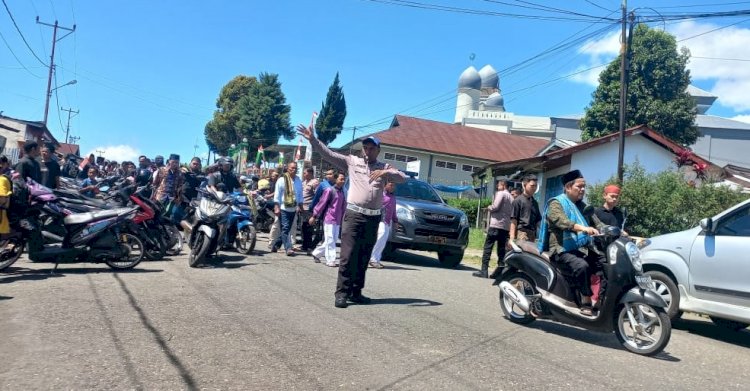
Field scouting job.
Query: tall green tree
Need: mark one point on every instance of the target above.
(332, 113)
(657, 91)
(249, 108)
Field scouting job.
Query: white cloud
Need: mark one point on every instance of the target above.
(117, 153)
(742, 118)
(731, 79)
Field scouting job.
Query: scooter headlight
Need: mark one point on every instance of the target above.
(635, 256)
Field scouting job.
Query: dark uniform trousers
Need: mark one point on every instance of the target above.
(358, 236)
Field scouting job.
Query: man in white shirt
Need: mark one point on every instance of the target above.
(287, 202)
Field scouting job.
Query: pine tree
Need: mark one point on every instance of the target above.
(332, 113)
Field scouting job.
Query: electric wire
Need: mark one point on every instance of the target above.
(21, 34)
(16, 57)
(714, 30)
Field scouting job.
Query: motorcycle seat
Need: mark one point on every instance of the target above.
(80, 218)
(530, 247)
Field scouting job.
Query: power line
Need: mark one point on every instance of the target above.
(470, 11)
(721, 59)
(21, 34)
(702, 5)
(714, 30)
(598, 6)
(16, 57)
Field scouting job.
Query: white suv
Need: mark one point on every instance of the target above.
(705, 269)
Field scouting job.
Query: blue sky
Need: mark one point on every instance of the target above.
(149, 72)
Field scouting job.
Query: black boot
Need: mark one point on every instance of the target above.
(481, 273)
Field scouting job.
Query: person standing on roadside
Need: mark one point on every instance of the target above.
(50, 168)
(309, 186)
(28, 166)
(330, 210)
(497, 233)
(287, 203)
(384, 228)
(364, 203)
(525, 218)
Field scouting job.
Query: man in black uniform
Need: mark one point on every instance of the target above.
(28, 166)
(224, 176)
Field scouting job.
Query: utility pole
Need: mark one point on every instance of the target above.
(67, 129)
(74, 139)
(351, 146)
(623, 89)
(52, 60)
(100, 152)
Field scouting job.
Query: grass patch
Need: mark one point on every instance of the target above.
(476, 238)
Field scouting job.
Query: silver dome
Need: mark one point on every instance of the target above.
(470, 79)
(495, 100)
(489, 77)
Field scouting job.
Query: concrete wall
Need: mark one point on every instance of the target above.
(12, 138)
(439, 175)
(724, 146)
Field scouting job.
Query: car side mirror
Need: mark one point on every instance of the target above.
(707, 225)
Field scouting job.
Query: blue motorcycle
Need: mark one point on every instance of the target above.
(239, 224)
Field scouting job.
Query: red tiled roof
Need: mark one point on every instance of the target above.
(65, 149)
(459, 140)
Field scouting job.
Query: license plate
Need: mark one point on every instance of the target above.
(437, 239)
(645, 282)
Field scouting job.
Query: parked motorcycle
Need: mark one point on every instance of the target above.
(263, 216)
(532, 287)
(92, 236)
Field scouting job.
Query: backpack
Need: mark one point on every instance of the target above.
(20, 197)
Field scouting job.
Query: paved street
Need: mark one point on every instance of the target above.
(268, 322)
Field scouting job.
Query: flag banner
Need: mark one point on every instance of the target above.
(260, 157)
(298, 154)
(308, 147)
(281, 157)
(83, 163)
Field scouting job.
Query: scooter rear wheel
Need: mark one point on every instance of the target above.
(642, 329)
(132, 248)
(511, 311)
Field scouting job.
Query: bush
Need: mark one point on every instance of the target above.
(469, 207)
(664, 202)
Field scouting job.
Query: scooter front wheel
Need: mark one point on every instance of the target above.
(199, 250)
(642, 329)
(245, 242)
(513, 312)
(132, 252)
(10, 250)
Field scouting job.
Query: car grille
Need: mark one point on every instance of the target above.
(444, 220)
(427, 232)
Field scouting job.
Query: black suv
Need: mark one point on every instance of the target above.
(427, 223)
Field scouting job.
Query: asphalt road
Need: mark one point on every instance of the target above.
(268, 322)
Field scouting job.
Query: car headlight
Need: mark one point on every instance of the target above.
(635, 256)
(404, 213)
(464, 220)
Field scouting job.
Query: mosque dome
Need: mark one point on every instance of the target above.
(470, 79)
(488, 74)
(495, 100)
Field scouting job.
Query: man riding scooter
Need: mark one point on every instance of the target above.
(566, 234)
(229, 183)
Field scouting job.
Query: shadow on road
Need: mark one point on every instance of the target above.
(607, 340)
(406, 301)
(409, 258)
(705, 328)
(6, 297)
(158, 337)
(24, 274)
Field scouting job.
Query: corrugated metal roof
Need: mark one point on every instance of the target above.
(712, 121)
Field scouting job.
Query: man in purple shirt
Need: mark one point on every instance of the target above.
(331, 209)
(384, 229)
(364, 201)
(498, 231)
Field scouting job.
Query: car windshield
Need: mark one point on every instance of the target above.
(417, 190)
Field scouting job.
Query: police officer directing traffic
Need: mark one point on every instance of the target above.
(364, 202)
